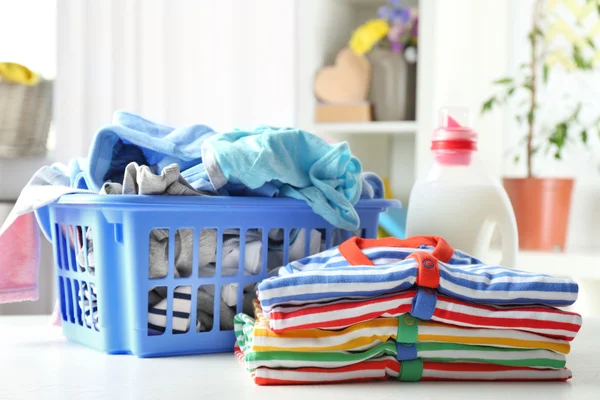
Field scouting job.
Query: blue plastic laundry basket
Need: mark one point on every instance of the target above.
(119, 239)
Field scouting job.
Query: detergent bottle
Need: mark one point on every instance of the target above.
(457, 199)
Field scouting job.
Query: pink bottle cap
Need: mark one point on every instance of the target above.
(454, 141)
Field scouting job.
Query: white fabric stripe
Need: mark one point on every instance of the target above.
(303, 303)
(512, 312)
(506, 295)
(179, 305)
(298, 364)
(489, 268)
(381, 305)
(88, 304)
(484, 278)
(493, 355)
(329, 288)
(492, 269)
(450, 331)
(356, 270)
(326, 267)
(320, 342)
(292, 308)
(337, 315)
(293, 375)
(498, 375)
(335, 257)
(553, 332)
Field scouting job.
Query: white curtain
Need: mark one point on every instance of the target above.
(223, 63)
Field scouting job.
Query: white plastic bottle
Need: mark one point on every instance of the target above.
(456, 199)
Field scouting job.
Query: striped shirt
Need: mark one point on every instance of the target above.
(256, 335)
(365, 268)
(441, 352)
(426, 304)
(382, 367)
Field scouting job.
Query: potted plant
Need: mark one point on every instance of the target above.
(542, 205)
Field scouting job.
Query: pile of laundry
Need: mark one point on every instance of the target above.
(134, 156)
(411, 310)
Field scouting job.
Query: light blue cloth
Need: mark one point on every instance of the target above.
(372, 186)
(131, 138)
(46, 186)
(300, 164)
(197, 177)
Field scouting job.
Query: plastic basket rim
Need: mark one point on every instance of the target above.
(150, 200)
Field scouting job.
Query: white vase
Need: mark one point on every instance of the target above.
(393, 86)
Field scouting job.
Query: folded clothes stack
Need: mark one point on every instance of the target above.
(411, 310)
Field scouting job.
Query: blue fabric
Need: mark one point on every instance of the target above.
(197, 177)
(46, 186)
(423, 304)
(266, 162)
(329, 275)
(406, 351)
(76, 172)
(372, 186)
(301, 165)
(131, 138)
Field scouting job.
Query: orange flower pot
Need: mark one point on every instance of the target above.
(542, 208)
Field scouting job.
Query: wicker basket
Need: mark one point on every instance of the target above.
(25, 114)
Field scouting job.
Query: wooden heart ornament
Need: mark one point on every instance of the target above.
(345, 82)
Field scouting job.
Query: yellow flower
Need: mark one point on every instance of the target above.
(367, 35)
(18, 73)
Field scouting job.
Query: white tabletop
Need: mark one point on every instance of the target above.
(36, 362)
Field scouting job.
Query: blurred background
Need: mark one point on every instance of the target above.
(521, 66)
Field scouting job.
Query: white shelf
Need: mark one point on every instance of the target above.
(381, 127)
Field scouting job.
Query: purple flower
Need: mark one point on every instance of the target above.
(414, 31)
(403, 24)
(394, 13)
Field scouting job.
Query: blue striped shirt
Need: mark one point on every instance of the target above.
(328, 276)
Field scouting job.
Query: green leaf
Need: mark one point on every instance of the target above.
(530, 116)
(510, 91)
(535, 32)
(559, 136)
(487, 106)
(503, 81)
(590, 41)
(519, 119)
(575, 114)
(584, 136)
(557, 156)
(534, 150)
(578, 59)
(545, 73)
(516, 159)
(538, 31)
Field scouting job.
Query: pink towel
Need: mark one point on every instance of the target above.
(20, 234)
(20, 244)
